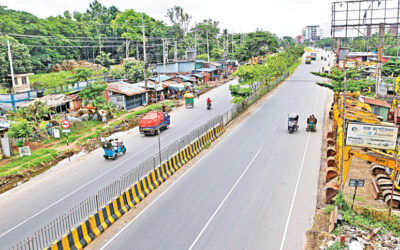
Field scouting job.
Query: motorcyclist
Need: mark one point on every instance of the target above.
(312, 119)
(208, 102)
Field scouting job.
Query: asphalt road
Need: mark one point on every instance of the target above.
(257, 189)
(27, 208)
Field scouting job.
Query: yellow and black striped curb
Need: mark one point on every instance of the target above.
(77, 238)
(98, 222)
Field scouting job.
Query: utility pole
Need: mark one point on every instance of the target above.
(343, 130)
(232, 45)
(225, 48)
(394, 175)
(145, 61)
(11, 65)
(175, 51)
(166, 50)
(137, 51)
(127, 49)
(97, 31)
(195, 40)
(379, 64)
(208, 50)
(164, 54)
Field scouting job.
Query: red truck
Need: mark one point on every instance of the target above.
(154, 121)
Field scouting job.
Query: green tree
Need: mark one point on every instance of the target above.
(117, 72)
(180, 21)
(20, 128)
(81, 74)
(257, 43)
(20, 56)
(134, 70)
(217, 53)
(353, 83)
(94, 95)
(34, 113)
(202, 57)
(104, 59)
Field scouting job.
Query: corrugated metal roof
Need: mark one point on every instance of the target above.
(125, 88)
(160, 78)
(186, 78)
(215, 64)
(376, 102)
(53, 100)
(206, 70)
(150, 85)
(198, 75)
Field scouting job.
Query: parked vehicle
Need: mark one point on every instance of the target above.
(308, 59)
(113, 148)
(313, 56)
(153, 122)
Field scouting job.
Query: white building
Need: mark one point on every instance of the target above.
(312, 32)
(21, 82)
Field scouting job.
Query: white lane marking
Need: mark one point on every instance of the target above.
(164, 192)
(298, 182)
(223, 201)
(236, 129)
(91, 181)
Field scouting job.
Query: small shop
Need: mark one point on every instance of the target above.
(125, 95)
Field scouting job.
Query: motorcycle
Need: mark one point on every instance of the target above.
(293, 123)
(209, 106)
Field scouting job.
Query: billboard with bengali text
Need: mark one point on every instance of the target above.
(371, 136)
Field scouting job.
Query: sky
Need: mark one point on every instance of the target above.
(281, 17)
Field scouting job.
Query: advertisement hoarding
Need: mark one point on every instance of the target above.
(371, 136)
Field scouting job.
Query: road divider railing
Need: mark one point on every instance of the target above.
(112, 211)
(106, 205)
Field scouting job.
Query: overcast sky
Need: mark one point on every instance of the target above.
(282, 17)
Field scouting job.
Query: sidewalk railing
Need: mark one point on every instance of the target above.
(62, 225)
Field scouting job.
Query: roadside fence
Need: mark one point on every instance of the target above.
(62, 225)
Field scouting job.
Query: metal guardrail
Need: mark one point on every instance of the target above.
(62, 225)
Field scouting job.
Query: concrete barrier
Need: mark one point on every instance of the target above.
(98, 222)
(78, 238)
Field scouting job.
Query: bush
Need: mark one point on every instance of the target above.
(329, 209)
(20, 143)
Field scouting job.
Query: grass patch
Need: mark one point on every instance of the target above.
(206, 146)
(51, 79)
(357, 198)
(34, 160)
(337, 246)
(369, 217)
(89, 137)
(294, 66)
(70, 139)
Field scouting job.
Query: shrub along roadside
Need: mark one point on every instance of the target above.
(252, 77)
(367, 216)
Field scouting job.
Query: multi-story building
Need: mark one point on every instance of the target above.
(311, 32)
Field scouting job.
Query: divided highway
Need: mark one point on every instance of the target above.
(256, 189)
(27, 208)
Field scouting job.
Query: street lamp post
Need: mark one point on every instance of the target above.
(158, 120)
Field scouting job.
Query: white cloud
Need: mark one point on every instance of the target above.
(282, 17)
